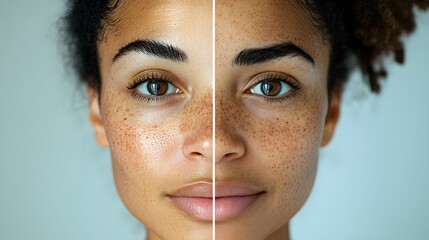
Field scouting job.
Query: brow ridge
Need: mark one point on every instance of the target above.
(154, 48)
(252, 56)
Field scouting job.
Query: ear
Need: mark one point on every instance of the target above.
(332, 116)
(95, 117)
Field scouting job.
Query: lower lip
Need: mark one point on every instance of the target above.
(226, 207)
(197, 207)
(231, 207)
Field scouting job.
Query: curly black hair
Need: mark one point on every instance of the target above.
(83, 26)
(361, 33)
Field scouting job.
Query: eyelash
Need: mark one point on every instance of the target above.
(153, 76)
(132, 87)
(295, 87)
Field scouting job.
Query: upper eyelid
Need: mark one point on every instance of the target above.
(258, 78)
(136, 83)
(161, 75)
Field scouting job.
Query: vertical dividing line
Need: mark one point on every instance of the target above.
(214, 120)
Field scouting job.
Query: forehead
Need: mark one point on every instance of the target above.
(251, 23)
(172, 21)
(155, 14)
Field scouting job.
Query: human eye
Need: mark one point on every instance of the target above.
(154, 86)
(273, 86)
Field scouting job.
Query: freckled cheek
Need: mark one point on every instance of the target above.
(288, 147)
(298, 163)
(141, 150)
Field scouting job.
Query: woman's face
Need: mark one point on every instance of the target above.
(271, 113)
(271, 109)
(155, 112)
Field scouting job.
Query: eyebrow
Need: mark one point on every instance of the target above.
(264, 54)
(154, 48)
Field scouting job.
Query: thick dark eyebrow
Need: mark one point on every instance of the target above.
(264, 54)
(154, 48)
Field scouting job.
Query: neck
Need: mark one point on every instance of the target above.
(151, 236)
(280, 234)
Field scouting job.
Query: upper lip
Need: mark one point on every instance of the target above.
(233, 189)
(223, 189)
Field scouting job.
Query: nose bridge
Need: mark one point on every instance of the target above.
(196, 126)
(224, 118)
(230, 122)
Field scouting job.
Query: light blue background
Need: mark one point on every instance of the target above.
(56, 183)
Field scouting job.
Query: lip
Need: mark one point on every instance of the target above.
(231, 199)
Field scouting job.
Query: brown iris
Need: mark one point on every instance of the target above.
(156, 87)
(271, 88)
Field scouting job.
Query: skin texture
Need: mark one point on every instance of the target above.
(160, 146)
(272, 145)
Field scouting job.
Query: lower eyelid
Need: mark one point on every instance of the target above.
(288, 96)
(150, 98)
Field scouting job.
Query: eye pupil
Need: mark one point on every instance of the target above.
(271, 88)
(157, 87)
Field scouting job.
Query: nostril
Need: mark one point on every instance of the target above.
(196, 154)
(197, 149)
(232, 150)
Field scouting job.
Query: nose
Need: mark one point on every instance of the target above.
(198, 148)
(229, 144)
(228, 147)
(197, 129)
